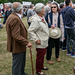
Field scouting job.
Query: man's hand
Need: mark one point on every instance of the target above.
(53, 26)
(38, 42)
(29, 44)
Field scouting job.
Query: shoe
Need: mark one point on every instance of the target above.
(68, 53)
(74, 69)
(44, 68)
(58, 59)
(73, 55)
(50, 62)
(40, 73)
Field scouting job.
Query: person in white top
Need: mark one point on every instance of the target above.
(39, 33)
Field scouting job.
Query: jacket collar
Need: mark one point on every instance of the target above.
(39, 18)
(15, 14)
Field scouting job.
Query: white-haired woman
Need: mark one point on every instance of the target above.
(39, 33)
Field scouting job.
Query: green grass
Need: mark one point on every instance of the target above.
(59, 68)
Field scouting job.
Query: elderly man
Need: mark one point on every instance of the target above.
(17, 39)
(8, 12)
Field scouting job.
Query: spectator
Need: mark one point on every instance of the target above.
(53, 20)
(7, 12)
(1, 26)
(62, 6)
(39, 33)
(47, 7)
(17, 40)
(24, 13)
(63, 30)
(30, 13)
(69, 18)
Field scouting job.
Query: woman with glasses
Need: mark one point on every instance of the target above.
(53, 20)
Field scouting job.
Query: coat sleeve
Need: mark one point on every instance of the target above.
(32, 31)
(15, 31)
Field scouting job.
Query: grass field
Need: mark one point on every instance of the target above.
(59, 68)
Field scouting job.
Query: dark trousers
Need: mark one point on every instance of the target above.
(40, 59)
(29, 23)
(70, 35)
(49, 48)
(18, 63)
(64, 44)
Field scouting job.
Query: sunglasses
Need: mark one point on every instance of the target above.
(53, 7)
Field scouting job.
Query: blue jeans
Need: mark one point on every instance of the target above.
(70, 35)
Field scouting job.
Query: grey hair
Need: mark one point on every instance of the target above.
(17, 8)
(38, 7)
(8, 4)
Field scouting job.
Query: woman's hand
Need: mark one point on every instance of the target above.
(53, 26)
(38, 42)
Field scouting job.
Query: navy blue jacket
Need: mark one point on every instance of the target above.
(7, 13)
(51, 17)
(69, 17)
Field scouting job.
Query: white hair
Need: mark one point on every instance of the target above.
(8, 4)
(17, 8)
(38, 7)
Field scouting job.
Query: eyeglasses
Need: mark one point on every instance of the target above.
(53, 7)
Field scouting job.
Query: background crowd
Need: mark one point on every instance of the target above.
(40, 19)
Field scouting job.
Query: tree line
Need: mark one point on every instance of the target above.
(33, 1)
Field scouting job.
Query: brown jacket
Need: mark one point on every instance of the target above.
(16, 34)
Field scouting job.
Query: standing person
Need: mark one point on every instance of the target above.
(39, 33)
(47, 7)
(69, 18)
(62, 27)
(17, 40)
(53, 20)
(8, 12)
(30, 13)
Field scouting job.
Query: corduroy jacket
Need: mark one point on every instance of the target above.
(16, 34)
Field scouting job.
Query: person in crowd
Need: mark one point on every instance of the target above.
(24, 12)
(47, 7)
(62, 6)
(53, 20)
(63, 30)
(74, 7)
(30, 13)
(69, 18)
(17, 39)
(39, 33)
(1, 16)
(7, 12)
